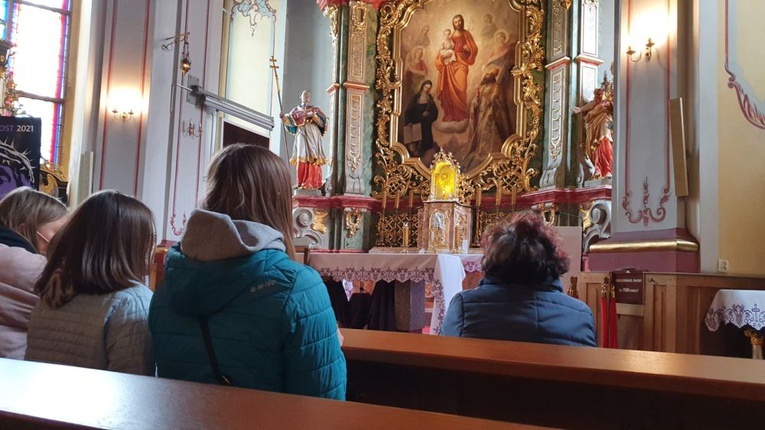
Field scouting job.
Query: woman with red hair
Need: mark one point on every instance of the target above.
(520, 297)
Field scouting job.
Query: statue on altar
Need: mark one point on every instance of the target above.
(599, 120)
(309, 124)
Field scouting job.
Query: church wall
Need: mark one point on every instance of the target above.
(162, 77)
(741, 141)
(123, 88)
(606, 37)
(648, 218)
(125, 68)
(643, 130)
(189, 154)
(701, 128)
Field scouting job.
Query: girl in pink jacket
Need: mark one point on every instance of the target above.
(28, 221)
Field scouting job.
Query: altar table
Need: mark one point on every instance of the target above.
(444, 271)
(741, 308)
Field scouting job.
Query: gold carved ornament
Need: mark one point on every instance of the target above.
(331, 12)
(396, 176)
(352, 221)
(319, 223)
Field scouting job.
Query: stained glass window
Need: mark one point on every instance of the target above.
(40, 29)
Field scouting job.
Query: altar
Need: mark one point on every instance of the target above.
(444, 272)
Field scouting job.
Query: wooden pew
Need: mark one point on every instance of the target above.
(671, 319)
(38, 395)
(557, 386)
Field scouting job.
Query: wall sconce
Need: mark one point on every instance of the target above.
(192, 130)
(648, 52)
(124, 116)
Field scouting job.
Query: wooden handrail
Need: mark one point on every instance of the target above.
(720, 377)
(39, 395)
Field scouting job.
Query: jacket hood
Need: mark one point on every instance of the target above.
(211, 236)
(15, 240)
(215, 260)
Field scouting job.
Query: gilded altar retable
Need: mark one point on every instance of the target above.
(507, 35)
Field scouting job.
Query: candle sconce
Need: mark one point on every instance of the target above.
(123, 115)
(648, 52)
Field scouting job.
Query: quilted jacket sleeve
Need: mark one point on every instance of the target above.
(454, 320)
(128, 342)
(315, 365)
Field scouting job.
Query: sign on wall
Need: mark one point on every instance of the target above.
(20, 140)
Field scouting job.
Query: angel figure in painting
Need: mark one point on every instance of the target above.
(599, 118)
(308, 124)
(416, 68)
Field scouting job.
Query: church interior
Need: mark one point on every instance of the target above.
(633, 127)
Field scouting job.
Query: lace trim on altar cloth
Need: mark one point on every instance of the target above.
(737, 315)
(472, 266)
(376, 274)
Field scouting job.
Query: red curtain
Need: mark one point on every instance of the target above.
(324, 3)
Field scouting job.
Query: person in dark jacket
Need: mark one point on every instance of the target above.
(520, 297)
(269, 319)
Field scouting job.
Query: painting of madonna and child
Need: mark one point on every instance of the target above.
(457, 86)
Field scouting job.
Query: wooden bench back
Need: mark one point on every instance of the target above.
(38, 395)
(551, 385)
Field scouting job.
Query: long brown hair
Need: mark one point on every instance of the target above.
(25, 210)
(250, 183)
(105, 247)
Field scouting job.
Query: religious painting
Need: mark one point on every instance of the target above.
(462, 76)
(457, 89)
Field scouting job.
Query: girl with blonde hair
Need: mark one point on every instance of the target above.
(28, 221)
(94, 306)
(235, 307)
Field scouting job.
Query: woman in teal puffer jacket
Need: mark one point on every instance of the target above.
(270, 321)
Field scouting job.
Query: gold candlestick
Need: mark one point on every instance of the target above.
(396, 201)
(499, 197)
(385, 198)
(512, 198)
(478, 193)
(411, 199)
(756, 340)
(406, 235)
(573, 291)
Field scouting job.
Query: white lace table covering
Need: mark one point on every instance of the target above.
(738, 307)
(444, 271)
(471, 262)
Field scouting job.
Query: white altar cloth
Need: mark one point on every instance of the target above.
(738, 307)
(444, 271)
